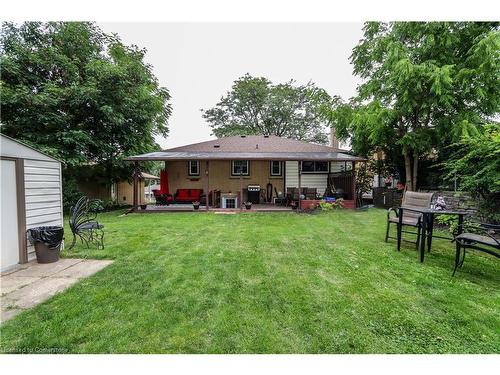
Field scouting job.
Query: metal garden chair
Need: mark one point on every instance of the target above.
(83, 223)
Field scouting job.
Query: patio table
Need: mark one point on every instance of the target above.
(426, 232)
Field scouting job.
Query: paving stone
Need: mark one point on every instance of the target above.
(44, 270)
(8, 314)
(38, 292)
(9, 283)
(85, 268)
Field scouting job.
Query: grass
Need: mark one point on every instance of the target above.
(265, 283)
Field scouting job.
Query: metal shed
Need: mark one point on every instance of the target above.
(31, 196)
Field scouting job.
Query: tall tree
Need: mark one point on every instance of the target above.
(255, 106)
(80, 95)
(425, 84)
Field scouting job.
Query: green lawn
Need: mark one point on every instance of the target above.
(266, 283)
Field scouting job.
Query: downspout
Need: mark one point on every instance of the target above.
(299, 164)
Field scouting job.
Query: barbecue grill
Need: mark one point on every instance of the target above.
(253, 193)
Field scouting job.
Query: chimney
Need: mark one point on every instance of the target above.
(334, 142)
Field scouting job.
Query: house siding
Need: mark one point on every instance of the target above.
(125, 192)
(220, 176)
(43, 195)
(310, 180)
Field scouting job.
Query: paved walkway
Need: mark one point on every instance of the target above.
(33, 283)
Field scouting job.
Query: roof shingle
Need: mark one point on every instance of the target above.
(251, 147)
(254, 144)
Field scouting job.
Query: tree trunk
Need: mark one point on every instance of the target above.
(409, 182)
(415, 171)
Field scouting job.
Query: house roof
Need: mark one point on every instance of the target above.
(250, 147)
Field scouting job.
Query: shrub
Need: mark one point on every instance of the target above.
(71, 193)
(330, 206)
(450, 221)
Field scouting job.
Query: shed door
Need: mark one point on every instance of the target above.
(9, 231)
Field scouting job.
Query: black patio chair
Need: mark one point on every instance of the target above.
(83, 223)
(481, 237)
(311, 193)
(292, 195)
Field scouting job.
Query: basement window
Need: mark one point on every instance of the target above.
(240, 166)
(194, 167)
(275, 168)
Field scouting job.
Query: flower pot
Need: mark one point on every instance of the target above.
(248, 206)
(196, 206)
(144, 206)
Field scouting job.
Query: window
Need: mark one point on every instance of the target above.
(194, 167)
(315, 166)
(240, 166)
(275, 168)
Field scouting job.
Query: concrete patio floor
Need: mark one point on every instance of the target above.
(33, 283)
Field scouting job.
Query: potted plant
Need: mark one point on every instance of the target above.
(248, 205)
(388, 181)
(196, 205)
(144, 206)
(294, 205)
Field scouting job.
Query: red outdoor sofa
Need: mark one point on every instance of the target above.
(163, 196)
(188, 195)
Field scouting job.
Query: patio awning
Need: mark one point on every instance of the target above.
(172, 155)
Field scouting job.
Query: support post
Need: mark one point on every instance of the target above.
(354, 184)
(207, 186)
(241, 190)
(136, 185)
(299, 165)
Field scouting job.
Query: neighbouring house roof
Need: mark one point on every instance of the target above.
(250, 147)
(148, 176)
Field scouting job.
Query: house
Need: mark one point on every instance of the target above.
(31, 196)
(118, 192)
(259, 169)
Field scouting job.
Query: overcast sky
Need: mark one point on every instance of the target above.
(198, 62)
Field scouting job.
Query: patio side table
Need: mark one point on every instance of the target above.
(428, 215)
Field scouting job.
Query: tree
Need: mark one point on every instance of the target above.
(425, 85)
(475, 163)
(255, 106)
(80, 95)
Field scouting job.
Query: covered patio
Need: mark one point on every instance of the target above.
(272, 173)
(182, 207)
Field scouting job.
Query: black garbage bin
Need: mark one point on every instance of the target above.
(47, 241)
